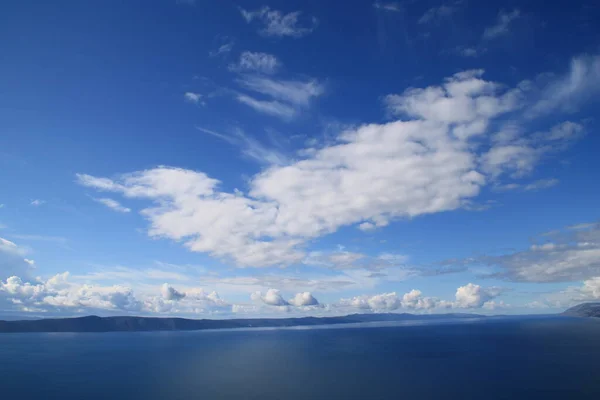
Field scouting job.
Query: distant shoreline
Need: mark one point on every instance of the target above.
(149, 324)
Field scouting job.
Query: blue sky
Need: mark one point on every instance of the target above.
(289, 158)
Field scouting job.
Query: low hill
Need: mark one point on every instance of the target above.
(132, 324)
(584, 310)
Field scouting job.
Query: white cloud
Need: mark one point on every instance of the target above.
(540, 184)
(389, 6)
(502, 26)
(223, 49)
(273, 107)
(250, 147)
(367, 176)
(277, 24)
(467, 297)
(519, 154)
(112, 204)
(474, 296)
(168, 292)
(294, 92)
(415, 300)
(37, 202)
(256, 62)
(272, 297)
(57, 292)
(192, 97)
(379, 302)
(304, 299)
(465, 100)
(439, 13)
(569, 92)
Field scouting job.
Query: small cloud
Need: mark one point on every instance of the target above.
(113, 204)
(224, 48)
(541, 184)
(470, 52)
(502, 25)
(277, 24)
(37, 202)
(437, 14)
(391, 6)
(192, 97)
(257, 62)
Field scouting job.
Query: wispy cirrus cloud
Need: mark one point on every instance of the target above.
(388, 6)
(277, 24)
(250, 147)
(439, 13)
(112, 204)
(502, 25)
(295, 92)
(270, 107)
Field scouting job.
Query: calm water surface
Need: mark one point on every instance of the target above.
(513, 358)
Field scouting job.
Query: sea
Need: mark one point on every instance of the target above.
(492, 358)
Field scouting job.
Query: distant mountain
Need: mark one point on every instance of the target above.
(133, 324)
(584, 310)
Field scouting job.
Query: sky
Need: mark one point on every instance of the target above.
(288, 158)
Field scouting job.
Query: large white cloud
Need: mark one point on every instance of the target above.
(369, 176)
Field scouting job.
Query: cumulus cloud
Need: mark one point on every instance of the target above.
(58, 293)
(256, 62)
(277, 24)
(378, 302)
(168, 292)
(272, 297)
(304, 299)
(502, 26)
(64, 294)
(467, 297)
(113, 204)
(474, 296)
(428, 162)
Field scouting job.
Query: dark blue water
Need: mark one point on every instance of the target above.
(534, 358)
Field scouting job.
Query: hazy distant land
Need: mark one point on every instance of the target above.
(132, 324)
